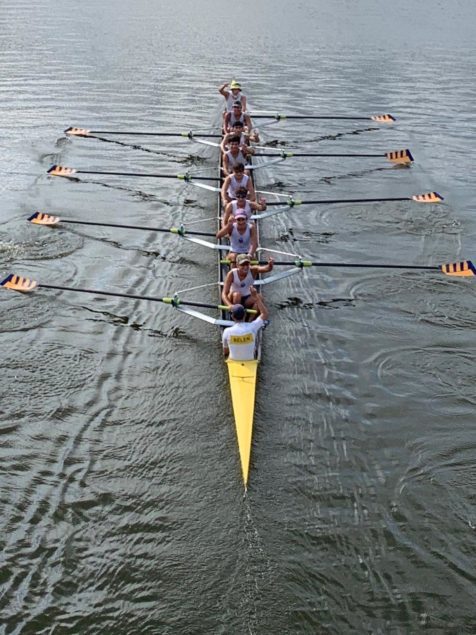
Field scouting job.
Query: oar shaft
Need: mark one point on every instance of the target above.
(316, 154)
(344, 200)
(139, 227)
(131, 296)
(359, 265)
(153, 134)
(346, 118)
(147, 174)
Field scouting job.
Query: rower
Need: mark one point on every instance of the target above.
(233, 94)
(233, 182)
(237, 114)
(236, 131)
(242, 235)
(241, 205)
(236, 154)
(239, 340)
(239, 281)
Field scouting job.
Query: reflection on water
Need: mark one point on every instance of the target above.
(121, 503)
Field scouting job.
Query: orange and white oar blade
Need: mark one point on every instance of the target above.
(464, 268)
(39, 218)
(59, 170)
(428, 197)
(383, 118)
(77, 132)
(402, 157)
(18, 283)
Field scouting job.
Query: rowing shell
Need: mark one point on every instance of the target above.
(242, 375)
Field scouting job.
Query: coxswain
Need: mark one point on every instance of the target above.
(238, 179)
(237, 114)
(240, 279)
(236, 154)
(239, 340)
(241, 205)
(242, 235)
(232, 92)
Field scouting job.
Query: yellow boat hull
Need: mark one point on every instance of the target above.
(243, 375)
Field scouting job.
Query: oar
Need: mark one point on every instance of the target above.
(379, 118)
(15, 282)
(464, 268)
(40, 218)
(72, 131)
(428, 197)
(59, 170)
(396, 156)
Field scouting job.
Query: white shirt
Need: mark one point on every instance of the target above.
(240, 339)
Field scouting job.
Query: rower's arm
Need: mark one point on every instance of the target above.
(226, 289)
(224, 191)
(225, 230)
(258, 206)
(265, 268)
(226, 217)
(226, 165)
(222, 90)
(259, 304)
(243, 102)
(251, 191)
(253, 240)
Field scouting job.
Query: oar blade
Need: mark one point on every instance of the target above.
(73, 131)
(400, 157)
(39, 218)
(60, 170)
(383, 118)
(428, 197)
(463, 269)
(18, 283)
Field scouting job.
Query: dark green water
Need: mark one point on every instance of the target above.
(121, 503)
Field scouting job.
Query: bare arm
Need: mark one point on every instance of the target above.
(226, 165)
(225, 230)
(226, 289)
(253, 240)
(243, 102)
(227, 216)
(224, 195)
(265, 268)
(259, 304)
(222, 90)
(258, 206)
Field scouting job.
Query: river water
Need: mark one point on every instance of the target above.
(122, 509)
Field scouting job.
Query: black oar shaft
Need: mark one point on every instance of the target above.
(139, 227)
(346, 118)
(344, 200)
(131, 296)
(316, 154)
(153, 134)
(147, 174)
(360, 265)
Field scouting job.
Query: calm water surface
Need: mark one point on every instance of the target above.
(121, 504)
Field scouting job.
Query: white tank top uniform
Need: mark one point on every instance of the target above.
(246, 210)
(240, 243)
(241, 286)
(234, 160)
(230, 100)
(235, 185)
